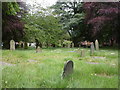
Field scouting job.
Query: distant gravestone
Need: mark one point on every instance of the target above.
(72, 45)
(12, 45)
(82, 53)
(68, 45)
(68, 69)
(38, 49)
(21, 44)
(25, 45)
(96, 45)
(92, 49)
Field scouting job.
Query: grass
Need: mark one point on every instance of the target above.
(46, 72)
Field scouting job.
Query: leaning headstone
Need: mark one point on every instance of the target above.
(38, 49)
(68, 69)
(12, 45)
(92, 49)
(96, 45)
(82, 53)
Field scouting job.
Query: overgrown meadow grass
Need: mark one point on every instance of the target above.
(46, 71)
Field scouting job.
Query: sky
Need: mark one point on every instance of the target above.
(44, 3)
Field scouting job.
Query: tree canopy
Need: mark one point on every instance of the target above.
(76, 21)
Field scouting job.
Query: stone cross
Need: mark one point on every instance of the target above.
(82, 53)
(68, 69)
(96, 45)
(92, 49)
(12, 45)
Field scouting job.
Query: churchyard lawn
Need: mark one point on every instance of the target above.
(28, 69)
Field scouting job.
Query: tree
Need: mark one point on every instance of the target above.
(12, 26)
(72, 18)
(102, 20)
(43, 26)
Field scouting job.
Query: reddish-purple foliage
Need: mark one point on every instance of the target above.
(12, 26)
(98, 14)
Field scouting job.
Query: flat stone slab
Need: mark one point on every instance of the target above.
(71, 51)
(32, 61)
(6, 64)
(96, 57)
(93, 63)
(112, 53)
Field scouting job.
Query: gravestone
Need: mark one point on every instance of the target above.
(25, 45)
(38, 49)
(96, 45)
(92, 49)
(21, 44)
(12, 45)
(68, 69)
(82, 53)
(72, 45)
(68, 45)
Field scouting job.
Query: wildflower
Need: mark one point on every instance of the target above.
(91, 74)
(5, 81)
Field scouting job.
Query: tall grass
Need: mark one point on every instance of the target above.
(46, 72)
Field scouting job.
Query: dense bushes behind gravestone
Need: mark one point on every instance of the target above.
(67, 43)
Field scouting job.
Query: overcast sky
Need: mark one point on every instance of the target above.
(43, 3)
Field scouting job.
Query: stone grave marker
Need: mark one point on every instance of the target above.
(96, 45)
(21, 44)
(92, 49)
(38, 49)
(68, 45)
(72, 45)
(68, 69)
(82, 53)
(12, 45)
(25, 45)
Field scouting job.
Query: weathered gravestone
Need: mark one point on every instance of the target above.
(96, 45)
(38, 49)
(92, 49)
(68, 45)
(25, 45)
(72, 45)
(68, 69)
(82, 53)
(21, 44)
(12, 45)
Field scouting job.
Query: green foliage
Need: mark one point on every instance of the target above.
(12, 27)
(71, 17)
(44, 27)
(10, 8)
(67, 42)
